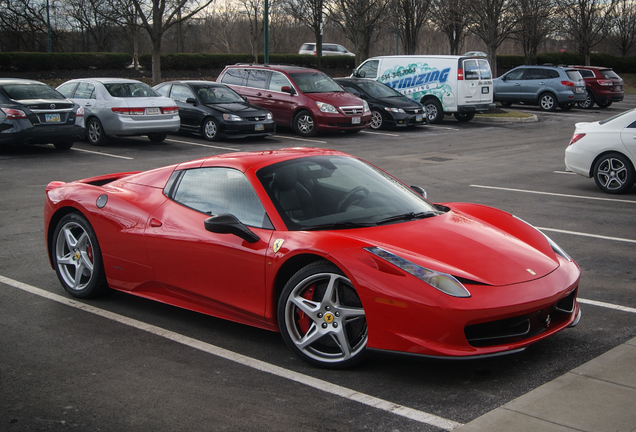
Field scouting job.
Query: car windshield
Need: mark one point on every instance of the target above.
(336, 192)
(217, 94)
(378, 90)
(315, 82)
(130, 90)
(31, 91)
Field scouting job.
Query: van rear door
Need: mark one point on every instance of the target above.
(474, 85)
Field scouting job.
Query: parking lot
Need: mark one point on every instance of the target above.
(125, 363)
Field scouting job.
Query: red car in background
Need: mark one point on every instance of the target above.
(307, 100)
(603, 86)
(329, 250)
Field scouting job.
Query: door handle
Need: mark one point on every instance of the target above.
(155, 223)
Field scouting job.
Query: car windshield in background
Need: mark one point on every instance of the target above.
(378, 90)
(130, 90)
(315, 82)
(336, 192)
(30, 91)
(217, 94)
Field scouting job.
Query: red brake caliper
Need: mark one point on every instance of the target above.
(303, 320)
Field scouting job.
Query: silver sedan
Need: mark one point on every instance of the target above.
(122, 107)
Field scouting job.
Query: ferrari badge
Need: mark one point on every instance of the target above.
(277, 245)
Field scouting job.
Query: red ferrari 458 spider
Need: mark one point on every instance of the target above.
(331, 251)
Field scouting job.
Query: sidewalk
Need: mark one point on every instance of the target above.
(598, 396)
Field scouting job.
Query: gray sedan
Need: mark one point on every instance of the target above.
(122, 107)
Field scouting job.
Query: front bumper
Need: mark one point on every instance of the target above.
(246, 129)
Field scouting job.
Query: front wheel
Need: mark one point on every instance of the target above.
(547, 102)
(210, 129)
(377, 121)
(321, 317)
(77, 257)
(434, 112)
(613, 173)
(304, 124)
(464, 117)
(157, 137)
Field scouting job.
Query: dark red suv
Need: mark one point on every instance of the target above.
(603, 86)
(304, 99)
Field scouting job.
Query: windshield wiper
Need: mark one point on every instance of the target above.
(339, 225)
(407, 217)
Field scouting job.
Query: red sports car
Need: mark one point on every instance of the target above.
(331, 251)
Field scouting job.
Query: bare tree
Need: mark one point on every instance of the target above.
(622, 35)
(534, 26)
(308, 13)
(452, 18)
(493, 22)
(24, 21)
(411, 16)
(93, 18)
(360, 21)
(587, 22)
(157, 16)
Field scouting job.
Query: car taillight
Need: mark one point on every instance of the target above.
(605, 82)
(460, 74)
(80, 112)
(576, 137)
(568, 83)
(14, 114)
(170, 110)
(129, 111)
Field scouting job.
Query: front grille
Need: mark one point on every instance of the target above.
(522, 327)
(353, 110)
(414, 110)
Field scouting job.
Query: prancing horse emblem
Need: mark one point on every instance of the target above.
(277, 245)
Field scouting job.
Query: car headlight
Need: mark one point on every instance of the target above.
(396, 110)
(365, 106)
(440, 281)
(555, 247)
(231, 117)
(269, 116)
(325, 107)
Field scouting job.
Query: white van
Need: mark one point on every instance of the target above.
(443, 84)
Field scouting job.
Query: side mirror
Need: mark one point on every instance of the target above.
(229, 224)
(288, 89)
(419, 190)
(192, 101)
(504, 78)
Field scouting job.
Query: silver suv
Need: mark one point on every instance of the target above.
(546, 86)
(328, 49)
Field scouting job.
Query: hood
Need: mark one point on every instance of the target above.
(468, 248)
(342, 98)
(238, 108)
(398, 102)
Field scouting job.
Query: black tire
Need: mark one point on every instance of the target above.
(65, 145)
(304, 124)
(605, 104)
(434, 112)
(567, 106)
(505, 104)
(320, 301)
(210, 129)
(547, 102)
(77, 257)
(95, 134)
(157, 137)
(614, 173)
(588, 103)
(377, 119)
(463, 118)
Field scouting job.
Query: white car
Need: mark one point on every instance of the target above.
(122, 107)
(605, 150)
(328, 49)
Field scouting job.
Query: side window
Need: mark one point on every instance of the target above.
(278, 81)
(632, 125)
(181, 93)
(258, 78)
(586, 73)
(164, 90)
(552, 74)
(67, 89)
(369, 69)
(514, 74)
(533, 74)
(85, 91)
(221, 190)
(234, 76)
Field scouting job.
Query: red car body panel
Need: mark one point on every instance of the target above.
(158, 249)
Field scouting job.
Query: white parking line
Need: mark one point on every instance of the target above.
(299, 139)
(564, 172)
(607, 305)
(101, 153)
(410, 413)
(441, 127)
(556, 194)
(587, 235)
(380, 133)
(203, 145)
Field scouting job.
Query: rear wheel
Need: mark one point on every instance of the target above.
(567, 106)
(77, 257)
(505, 104)
(157, 137)
(95, 134)
(434, 112)
(547, 102)
(614, 173)
(605, 104)
(588, 103)
(464, 117)
(321, 317)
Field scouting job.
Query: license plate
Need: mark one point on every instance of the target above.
(52, 118)
(259, 127)
(419, 118)
(485, 90)
(355, 120)
(153, 111)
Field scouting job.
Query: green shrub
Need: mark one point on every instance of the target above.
(28, 61)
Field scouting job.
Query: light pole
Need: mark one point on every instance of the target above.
(48, 23)
(266, 25)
